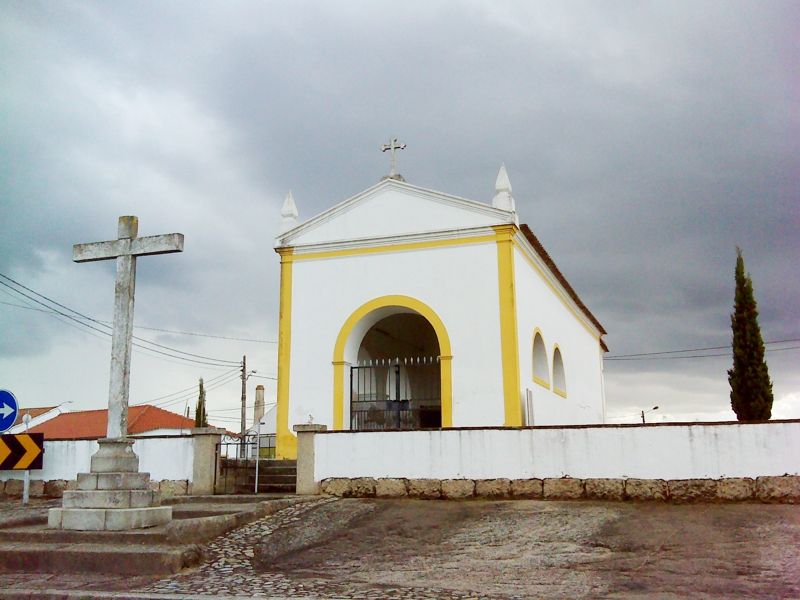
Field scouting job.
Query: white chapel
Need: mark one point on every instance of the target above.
(408, 308)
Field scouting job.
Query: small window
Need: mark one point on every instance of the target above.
(541, 372)
(559, 379)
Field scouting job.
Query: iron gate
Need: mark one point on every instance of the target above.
(237, 459)
(398, 393)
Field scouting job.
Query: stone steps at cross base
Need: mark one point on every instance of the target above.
(123, 559)
(36, 535)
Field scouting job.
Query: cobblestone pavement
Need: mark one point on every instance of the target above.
(403, 549)
(228, 570)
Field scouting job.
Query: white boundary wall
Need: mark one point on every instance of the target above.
(165, 458)
(662, 451)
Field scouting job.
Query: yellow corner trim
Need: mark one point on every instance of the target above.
(507, 231)
(508, 325)
(561, 393)
(445, 360)
(405, 247)
(286, 442)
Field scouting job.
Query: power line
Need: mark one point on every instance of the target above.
(698, 355)
(620, 356)
(105, 336)
(239, 408)
(173, 331)
(180, 396)
(216, 361)
(103, 323)
(42, 310)
(193, 387)
(208, 335)
(188, 395)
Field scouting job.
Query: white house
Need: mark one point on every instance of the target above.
(404, 307)
(38, 415)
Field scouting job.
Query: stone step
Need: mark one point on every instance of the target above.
(277, 463)
(269, 488)
(38, 535)
(113, 481)
(269, 478)
(108, 519)
(276, 488)
(277, 471)
(245, 498)
(96, 558)
(110, 498)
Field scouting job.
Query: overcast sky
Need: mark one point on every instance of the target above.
(644, 141)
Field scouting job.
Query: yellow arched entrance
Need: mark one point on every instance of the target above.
(354, 319)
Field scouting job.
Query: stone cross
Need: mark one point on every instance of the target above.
(393, 146)
(124, 250)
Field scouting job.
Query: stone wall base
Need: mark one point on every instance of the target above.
(784, 489)
(55, 488)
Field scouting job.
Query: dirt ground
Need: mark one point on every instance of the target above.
(551, 549)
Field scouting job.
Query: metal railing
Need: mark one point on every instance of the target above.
(397, 393)
(238, 461)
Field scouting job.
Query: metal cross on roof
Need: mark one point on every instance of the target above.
(393, 146)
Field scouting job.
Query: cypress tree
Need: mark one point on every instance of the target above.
(200, 417)
(751, 388)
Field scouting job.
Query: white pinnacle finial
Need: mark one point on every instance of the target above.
(288, 213)
(503, 198)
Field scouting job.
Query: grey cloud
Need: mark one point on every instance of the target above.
(643, 145)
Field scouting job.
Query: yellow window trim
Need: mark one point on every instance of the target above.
(508, 324)
(286, 442)
(445, 351)
(541, 382)
(384, 248)
(557, 390)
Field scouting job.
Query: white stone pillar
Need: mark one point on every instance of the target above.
(306, 483)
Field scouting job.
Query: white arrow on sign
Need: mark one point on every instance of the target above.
(5, 410)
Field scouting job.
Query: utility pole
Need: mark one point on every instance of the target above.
(244, 403)
(245, 376)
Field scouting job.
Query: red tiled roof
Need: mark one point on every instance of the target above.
(537, 246)
(88, 424)
(33, 412)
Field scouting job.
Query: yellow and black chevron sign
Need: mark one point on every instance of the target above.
(21, 451)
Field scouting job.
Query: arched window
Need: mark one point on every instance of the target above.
(559, 379)
(541, 372)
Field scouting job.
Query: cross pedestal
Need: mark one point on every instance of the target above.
(114, 495)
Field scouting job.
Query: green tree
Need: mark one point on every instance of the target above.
(200, 417)
(751, 388)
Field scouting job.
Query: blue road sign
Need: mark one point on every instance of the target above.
(8, 410)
